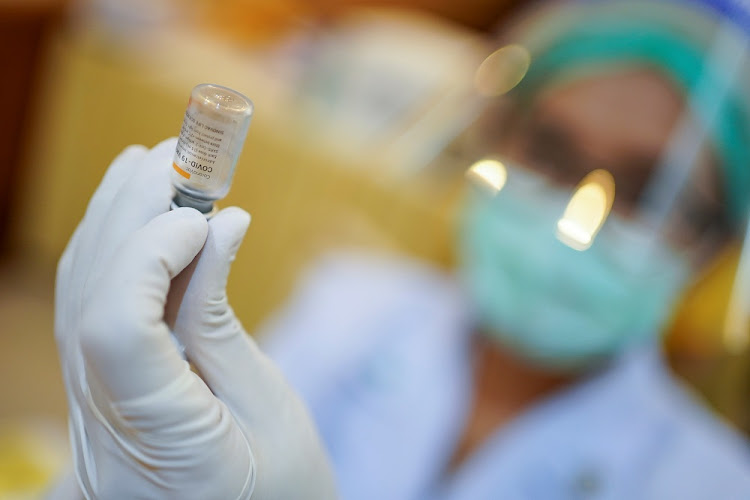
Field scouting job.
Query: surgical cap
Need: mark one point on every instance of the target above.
(573, 39)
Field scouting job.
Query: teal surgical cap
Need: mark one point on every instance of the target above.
(574, 38)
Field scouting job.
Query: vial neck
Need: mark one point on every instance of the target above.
(183, 200)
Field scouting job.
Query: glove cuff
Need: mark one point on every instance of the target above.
(249, 487)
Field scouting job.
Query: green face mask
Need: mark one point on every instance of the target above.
(559, 307)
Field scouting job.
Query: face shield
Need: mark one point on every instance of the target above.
(613, 163)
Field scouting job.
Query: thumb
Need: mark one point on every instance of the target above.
(207, 289)
(197, 297)
(200, 315)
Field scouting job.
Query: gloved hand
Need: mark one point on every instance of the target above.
(142, 424)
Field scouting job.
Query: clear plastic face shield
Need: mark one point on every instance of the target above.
(611, 169)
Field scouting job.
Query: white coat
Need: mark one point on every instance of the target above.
(380, 349)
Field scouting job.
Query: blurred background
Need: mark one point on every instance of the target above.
(356, 106)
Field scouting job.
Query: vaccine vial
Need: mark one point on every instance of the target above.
(211, 138)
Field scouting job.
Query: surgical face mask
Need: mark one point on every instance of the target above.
(556, 306)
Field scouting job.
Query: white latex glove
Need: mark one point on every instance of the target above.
(142, 424)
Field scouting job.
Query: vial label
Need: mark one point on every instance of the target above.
(202, 153)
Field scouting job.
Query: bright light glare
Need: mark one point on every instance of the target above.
(488, 173)
(587, 210)
(737, 321)
(736, 328)
(502, 70)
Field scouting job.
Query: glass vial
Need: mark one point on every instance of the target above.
(211, 138)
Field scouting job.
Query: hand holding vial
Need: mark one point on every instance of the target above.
(142, 424)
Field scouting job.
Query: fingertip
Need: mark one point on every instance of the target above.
(227, 229)
(191, 216)
(166, 144)
(169, 242)
(150, 181)
(235, 216)
(122, 167)
(161, 155)
(116, 176)
(133, 150)
(188, 212)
